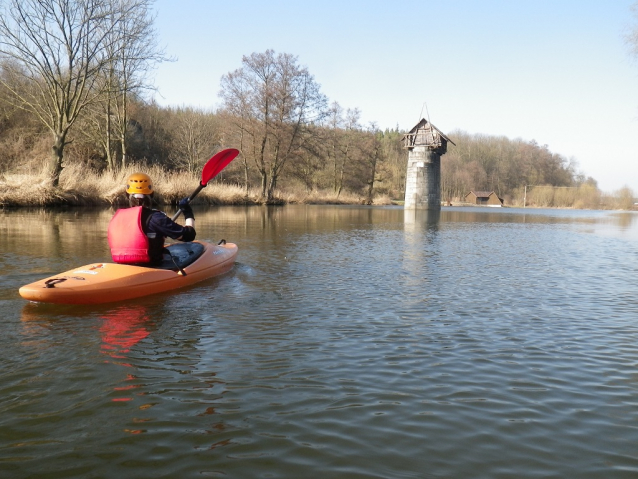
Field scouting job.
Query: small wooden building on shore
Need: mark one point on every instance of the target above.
(483, 198)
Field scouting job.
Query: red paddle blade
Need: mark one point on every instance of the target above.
(217, 163)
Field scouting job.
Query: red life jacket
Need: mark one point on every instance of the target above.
(127, 240)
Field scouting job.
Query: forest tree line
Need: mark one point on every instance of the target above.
(73, 91)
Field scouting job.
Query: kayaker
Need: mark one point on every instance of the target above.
(136, 235)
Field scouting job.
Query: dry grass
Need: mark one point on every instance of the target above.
(582, 197)
(80, 186)
(33, 189)
(382, 200)
(328, 197)
(318, 197)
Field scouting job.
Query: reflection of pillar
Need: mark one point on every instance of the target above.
(421, 220)
(422, 247)
(423, 179)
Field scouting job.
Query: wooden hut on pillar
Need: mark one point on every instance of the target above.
(426, 144)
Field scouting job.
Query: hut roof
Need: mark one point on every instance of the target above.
(481, 194)
(421, 124)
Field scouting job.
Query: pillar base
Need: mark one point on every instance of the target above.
(423, 180)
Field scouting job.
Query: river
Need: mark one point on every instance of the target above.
(347, 342)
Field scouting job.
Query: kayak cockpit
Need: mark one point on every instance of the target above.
(178, 256)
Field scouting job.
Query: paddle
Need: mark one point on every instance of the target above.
(211, 169)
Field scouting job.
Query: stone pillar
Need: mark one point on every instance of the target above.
(423, 179)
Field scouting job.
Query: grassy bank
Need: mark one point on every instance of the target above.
(83, 187)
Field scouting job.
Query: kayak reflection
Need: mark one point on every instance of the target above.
(120, 328)
(123, 328)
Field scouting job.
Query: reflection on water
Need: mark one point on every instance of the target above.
(123, 328)
(354, 341)
(421, 218)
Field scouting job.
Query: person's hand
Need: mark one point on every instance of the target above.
(186, 208)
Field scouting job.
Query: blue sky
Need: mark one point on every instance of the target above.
(554, 71)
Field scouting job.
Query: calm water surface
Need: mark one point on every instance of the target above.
(347, 342)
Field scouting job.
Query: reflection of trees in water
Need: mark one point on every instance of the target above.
(625, 220)
(474, 214)
(57, 233)
(469, 216)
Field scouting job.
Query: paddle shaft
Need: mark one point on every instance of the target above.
(190, 198)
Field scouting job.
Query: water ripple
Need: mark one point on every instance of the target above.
(348, 344)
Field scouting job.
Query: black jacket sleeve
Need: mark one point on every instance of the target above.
(161, 224)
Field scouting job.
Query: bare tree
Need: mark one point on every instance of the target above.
(310, 164)
(276, 103)
(234, 132)
(134, 52)
(372, 148)
(195, 138)
(58, 50)
(393, 168)
(349, 138)
(335, 126)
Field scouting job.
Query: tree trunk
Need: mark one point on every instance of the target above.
(373, 172)
(262, 165)
(124, 151)
(334, 154)
(243, 158)
(123, 126)
(55, 165)
(124, 131)
(245, 174)
(342, 167)
(264, 185)
(109, 154)
(340, 186)
(271, 188)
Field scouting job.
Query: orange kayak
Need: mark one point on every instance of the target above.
(95, 283)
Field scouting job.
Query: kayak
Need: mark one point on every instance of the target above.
(187, 263)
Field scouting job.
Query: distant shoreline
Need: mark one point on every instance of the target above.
(81, 188)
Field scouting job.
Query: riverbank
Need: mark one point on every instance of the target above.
(84, 187)
(79, 187)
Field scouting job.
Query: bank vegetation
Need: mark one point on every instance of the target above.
(77, 116)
